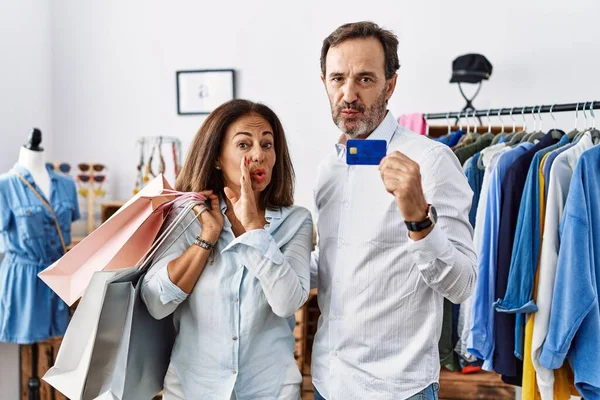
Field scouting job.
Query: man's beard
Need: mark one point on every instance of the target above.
(366, 123)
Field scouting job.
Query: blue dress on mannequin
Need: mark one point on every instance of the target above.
(29, 310)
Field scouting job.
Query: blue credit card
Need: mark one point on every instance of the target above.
(365, 152)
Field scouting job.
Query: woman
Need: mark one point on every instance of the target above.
(232, 279)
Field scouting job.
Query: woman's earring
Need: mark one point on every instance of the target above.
(217, 167)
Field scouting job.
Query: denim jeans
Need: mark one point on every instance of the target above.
(429, 393)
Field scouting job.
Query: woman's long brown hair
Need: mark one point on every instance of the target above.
(199, 171)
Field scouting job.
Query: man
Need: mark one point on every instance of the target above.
(380, 285)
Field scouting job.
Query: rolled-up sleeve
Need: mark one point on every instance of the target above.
(446, 257)
(159, 293)
(284, 274)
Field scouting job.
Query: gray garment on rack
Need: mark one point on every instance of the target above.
(464, 153)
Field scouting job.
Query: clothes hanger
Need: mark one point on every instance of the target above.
(571, 135)
(586, 129)
(532, 131)
(595, 133)
(502, 133)
(537, 134)
(518, 136)
(556, 133)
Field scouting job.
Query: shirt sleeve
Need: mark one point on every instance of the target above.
(160, 294)
(523, 264)
(284, 274)
(446, 257)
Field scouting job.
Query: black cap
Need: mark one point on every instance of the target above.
(470, 68)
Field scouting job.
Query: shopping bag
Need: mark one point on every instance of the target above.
(113, 347)
(118, 242)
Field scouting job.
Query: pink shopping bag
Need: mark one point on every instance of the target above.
(122, 240)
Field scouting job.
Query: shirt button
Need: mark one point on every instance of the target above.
(346, 204)
(333, 317)
(341, 242)
(52, 243)
(235, 338)
(236, 300)
(337, 279)
(234, 372)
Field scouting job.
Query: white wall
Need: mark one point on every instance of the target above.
(25, 102)
(25, 76)
(115, 62)
(94, 76)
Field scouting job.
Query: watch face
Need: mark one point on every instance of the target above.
(433, 214)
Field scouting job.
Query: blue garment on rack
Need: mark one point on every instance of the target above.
(481, 339)
(525, 252)
(29, 310)
(575, 316)
(513, 184)
(452, 139)
(475, 178)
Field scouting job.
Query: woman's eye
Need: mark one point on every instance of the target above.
(268, 145)
(243, 145)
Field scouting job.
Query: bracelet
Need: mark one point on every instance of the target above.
(203, 243)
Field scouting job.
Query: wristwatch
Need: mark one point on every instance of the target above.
(426, 223)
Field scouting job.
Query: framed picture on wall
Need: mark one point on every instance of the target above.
(201, 91)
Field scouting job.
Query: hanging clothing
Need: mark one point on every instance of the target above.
(29, 310)
(575, 312)
(530, 390)
(466, 320)
(505, 361)
(525, 251)
(414, 122)
(481, 339)
(464, 153)
(558, 189)
(474, 176)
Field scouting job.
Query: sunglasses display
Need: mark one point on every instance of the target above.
(90, 180)
(65, 168)
(85, 167)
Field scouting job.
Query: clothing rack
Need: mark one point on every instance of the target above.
(567, 107)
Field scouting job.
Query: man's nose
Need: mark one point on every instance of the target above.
(350, 92)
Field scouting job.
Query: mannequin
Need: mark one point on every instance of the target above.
(32, 157)
(37, 207)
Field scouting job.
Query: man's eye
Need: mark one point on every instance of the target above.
(366, 80)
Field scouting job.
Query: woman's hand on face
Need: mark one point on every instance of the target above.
(211, 219)
(244, 205)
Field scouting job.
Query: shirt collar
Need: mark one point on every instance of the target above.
(385, 131)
